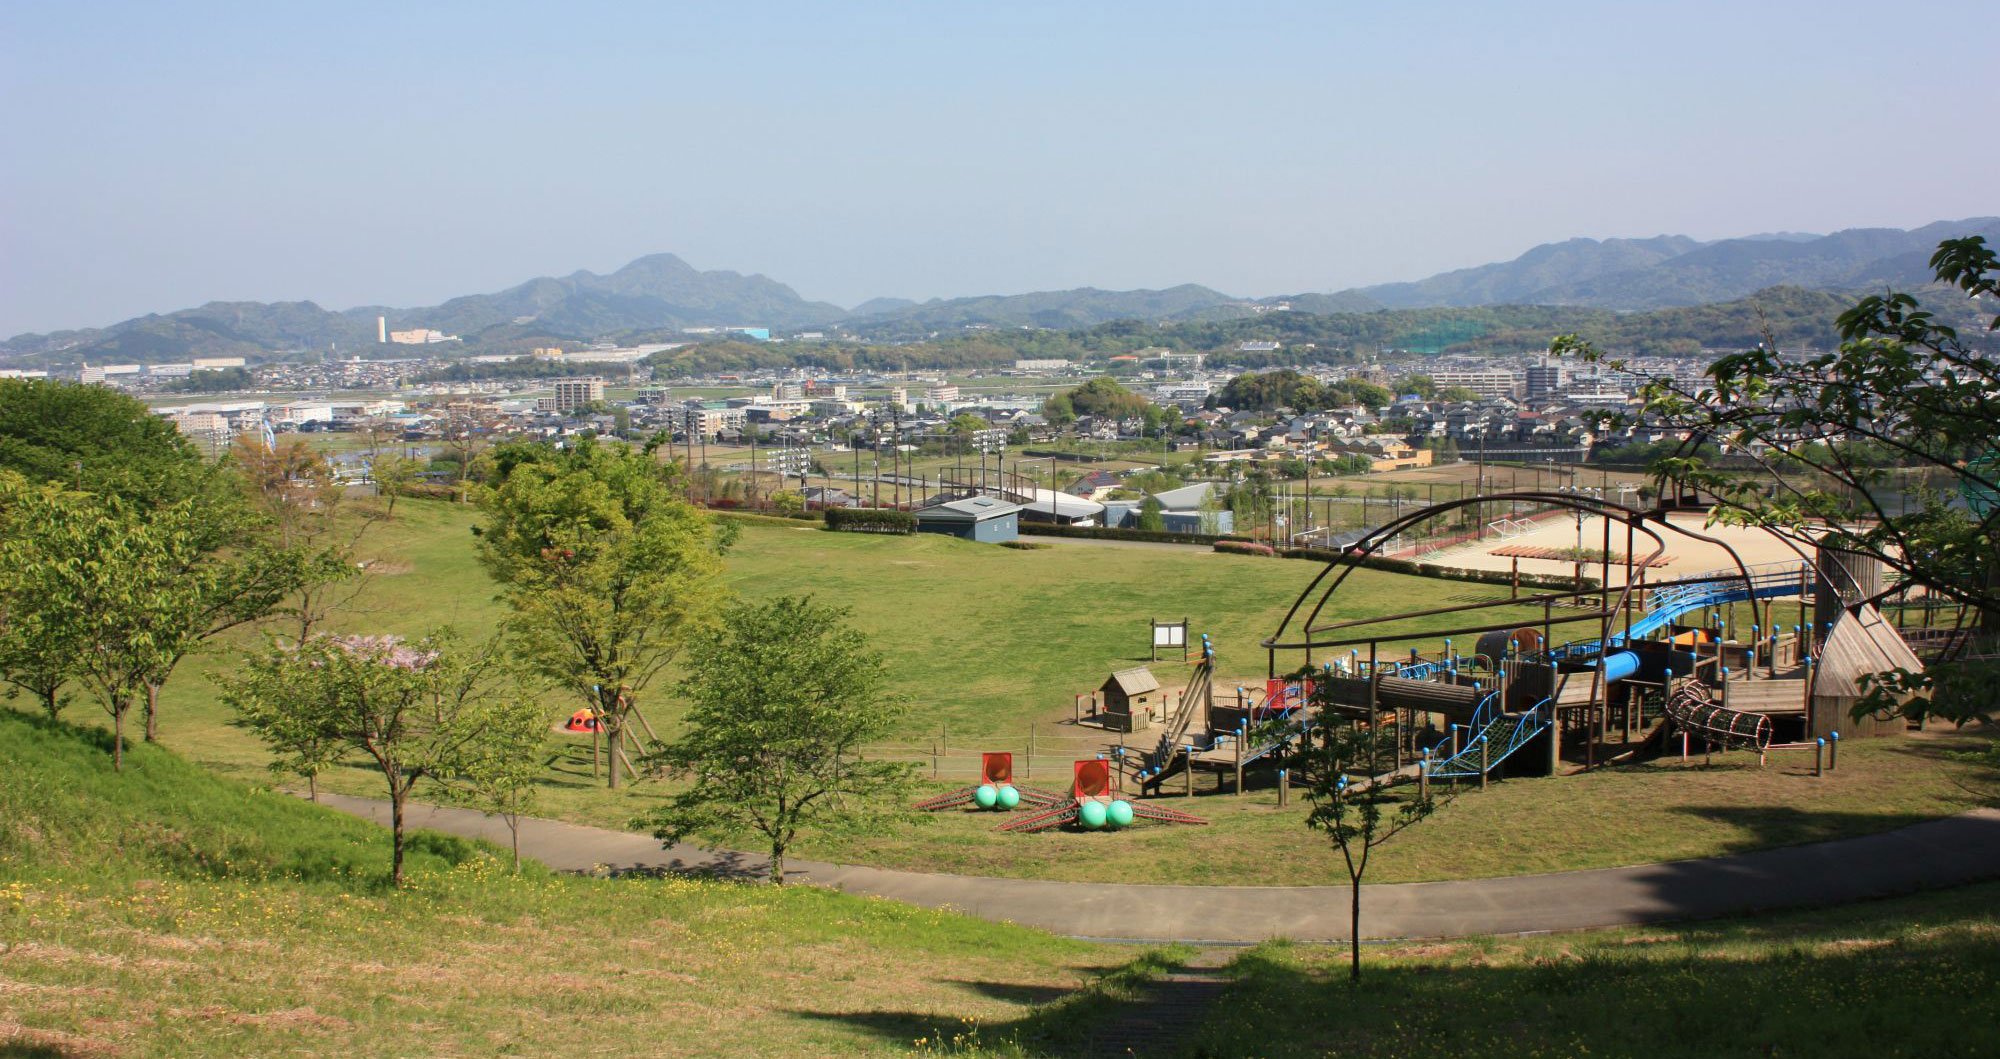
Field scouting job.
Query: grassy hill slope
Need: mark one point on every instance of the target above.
(169, 912)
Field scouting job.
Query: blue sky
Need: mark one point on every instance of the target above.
(161, 155)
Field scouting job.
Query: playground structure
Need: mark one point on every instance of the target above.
(1768, 658)
(1094, 804)
(1655, 655)
(995, 789)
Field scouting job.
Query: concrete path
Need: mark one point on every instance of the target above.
(1947, 852)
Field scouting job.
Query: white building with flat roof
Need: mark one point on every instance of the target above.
(572, 394)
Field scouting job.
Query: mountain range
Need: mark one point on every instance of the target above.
(1673, 270)
(657, 295)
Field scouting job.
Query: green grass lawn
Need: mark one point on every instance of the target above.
(1904, 977)
(981, 640)
(168, 912)
(986, 642)
(1659, 810)
(1895, 978)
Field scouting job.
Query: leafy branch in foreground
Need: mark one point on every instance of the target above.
(1830, 449)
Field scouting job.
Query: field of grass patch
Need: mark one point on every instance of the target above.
(1656, 811)
(1896, 978)
(987, 642)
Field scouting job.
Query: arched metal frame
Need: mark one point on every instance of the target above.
(1635, 520)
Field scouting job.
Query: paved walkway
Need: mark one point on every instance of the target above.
(1947, 852)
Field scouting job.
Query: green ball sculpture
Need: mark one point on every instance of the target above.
(1120, 813)
(1009, 797)
(1091, 815)
(986, 796)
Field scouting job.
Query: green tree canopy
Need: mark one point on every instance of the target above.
(782, 696)
(129, 590)
(1831, 434)
(432, 709)
(95, 439)
(605, 567)
(1286, 388)
(1104, 397)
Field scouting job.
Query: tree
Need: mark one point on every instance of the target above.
(1059, 411)
(98, 569)
(606, 570)
(129, 591)
(1825, 434)
(1457, 394)
(500, 771)
(393, 475)
(963, 427)
(304, 512)
(1104, 397)
(427, 710)
(465, 437)
(96, 440)
(38, 645)
(1150, 518)
(782, 697)
(1421, 385)
(1339, 762)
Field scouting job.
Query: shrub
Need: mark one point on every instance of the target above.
(427, 490)
(870, 520)
(1244, 548)
(1026, 546)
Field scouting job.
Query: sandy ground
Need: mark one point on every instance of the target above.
(1685, 554)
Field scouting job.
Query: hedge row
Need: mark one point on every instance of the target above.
(769, 518)
(1243, 548)
(870, 520)
(428, 490)
(1046, 529)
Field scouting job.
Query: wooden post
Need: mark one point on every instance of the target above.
(1819, 757)
(1398, 740)
(1187, 768)
(1076, 710)
(1516, 594)
(1832, 751)
(595, 724)
(934, 761)
(1485, 749)
(1031, 750)
(1242, 735)
(1424, 779)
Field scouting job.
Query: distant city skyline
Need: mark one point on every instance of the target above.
(167, 155)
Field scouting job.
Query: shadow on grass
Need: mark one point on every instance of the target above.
(1013, 992)
(723, 865)
(1881, 989)
(28, 1050)
(1103, 1018)
(1785, 861)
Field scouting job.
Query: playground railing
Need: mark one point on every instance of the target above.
(1496, 741)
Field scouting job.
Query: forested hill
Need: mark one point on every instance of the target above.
(657, 291)
(1083, 307)
(1795, 317)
